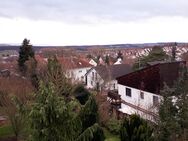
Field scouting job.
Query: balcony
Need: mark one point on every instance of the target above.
(114, 98)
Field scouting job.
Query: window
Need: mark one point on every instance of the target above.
(155, 100)
(142, 95)
(98, 86)
(95, 76)
(128, 92)
(91, 83)
(92, 75)
(72, 74)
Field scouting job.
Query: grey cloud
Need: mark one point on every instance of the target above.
(83, 10)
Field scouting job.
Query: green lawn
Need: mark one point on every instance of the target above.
(6, 131)
(110, 137)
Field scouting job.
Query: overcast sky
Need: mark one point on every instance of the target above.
(82, 22)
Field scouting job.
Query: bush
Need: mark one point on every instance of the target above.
(113, 125)
(81, 94)
(134, 128)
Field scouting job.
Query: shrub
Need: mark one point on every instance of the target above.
(113, 125)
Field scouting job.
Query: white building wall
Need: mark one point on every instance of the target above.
(92, 80)
(129, 110)
(145, 103)
(112, 85)
(92, 62)
(78, 75)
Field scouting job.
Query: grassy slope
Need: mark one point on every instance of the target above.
(6, 131)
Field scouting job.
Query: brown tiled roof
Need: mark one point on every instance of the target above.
(40, 59)
(73, 62)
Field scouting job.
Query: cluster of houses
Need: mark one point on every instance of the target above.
(89, 72)
(129, 91)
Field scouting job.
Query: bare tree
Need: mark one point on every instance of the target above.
(15, 94)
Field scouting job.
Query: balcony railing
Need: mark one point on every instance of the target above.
(114, 98)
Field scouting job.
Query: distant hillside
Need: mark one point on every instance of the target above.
(143, 45)
(84, 47)
(11, 47)
(8, 47)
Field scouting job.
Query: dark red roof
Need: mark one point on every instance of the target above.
(152, 78)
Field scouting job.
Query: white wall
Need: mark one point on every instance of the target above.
(129, 110)
(92, 62)
(112, 85)
(78, 75)
(92, 81)
(146, 103)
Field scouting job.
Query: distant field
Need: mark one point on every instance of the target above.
(2, 48)
(7, 53)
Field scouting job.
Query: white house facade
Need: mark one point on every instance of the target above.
(138, 101)
(75, 68)
(119, 61)
(93, 79)
(105, 76)
(140, 91)
(92, 62)
(78, 74)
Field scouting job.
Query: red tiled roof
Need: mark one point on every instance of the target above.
(40, 59)
(74, 62)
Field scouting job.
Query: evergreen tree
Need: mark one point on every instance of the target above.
(168, 127)
(173, 111)
(25, 53)
(57, 116)
(54, 119)
(182, 103)
(135, 128)
(182, 117)
(107, 60)
(56, 75)
(174, 48)
(32, 72)
(89, 56)
(89, 120)
(120, 55)
(93, 133)
(156, 54)
(89, 114)
(81, 94)
(51, 118)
